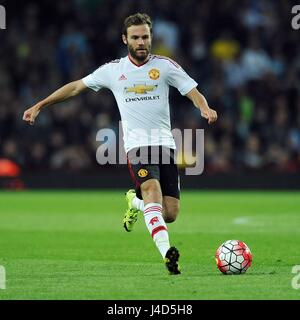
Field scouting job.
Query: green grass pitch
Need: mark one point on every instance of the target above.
(71, 245)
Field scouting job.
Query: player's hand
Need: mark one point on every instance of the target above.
(31, 114)
(209, 114)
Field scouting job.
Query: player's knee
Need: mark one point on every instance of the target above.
(151, 187)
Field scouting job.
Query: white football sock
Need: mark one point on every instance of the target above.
(157, 227)
(138, 203)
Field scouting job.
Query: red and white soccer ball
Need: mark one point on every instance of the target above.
(233, 257)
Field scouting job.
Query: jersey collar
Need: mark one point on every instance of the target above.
(138, 65)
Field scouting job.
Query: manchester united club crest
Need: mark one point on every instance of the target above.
(154, 74)
(142, 173)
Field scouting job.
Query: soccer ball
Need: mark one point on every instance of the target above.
(233, 257)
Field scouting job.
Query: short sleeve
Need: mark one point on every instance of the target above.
(179, 79)
(99, 78)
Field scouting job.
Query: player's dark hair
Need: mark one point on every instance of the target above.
(136, 19)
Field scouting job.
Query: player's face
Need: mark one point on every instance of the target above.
(138, 41)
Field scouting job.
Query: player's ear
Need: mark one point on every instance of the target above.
(124, 39)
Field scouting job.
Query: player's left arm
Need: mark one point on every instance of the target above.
(200, 102)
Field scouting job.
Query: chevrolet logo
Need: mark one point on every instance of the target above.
(140, 89)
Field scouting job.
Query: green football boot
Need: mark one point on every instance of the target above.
(131, 214)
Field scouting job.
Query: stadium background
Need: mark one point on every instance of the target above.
(244, 55)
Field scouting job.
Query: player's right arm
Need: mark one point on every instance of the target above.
(69, 90)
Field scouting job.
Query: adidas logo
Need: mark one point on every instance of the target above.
(122, 77)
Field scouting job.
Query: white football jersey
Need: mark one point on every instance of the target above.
(142, 95)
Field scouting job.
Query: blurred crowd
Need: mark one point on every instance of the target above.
(243, 53)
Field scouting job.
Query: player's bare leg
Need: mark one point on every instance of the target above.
(171, 207)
